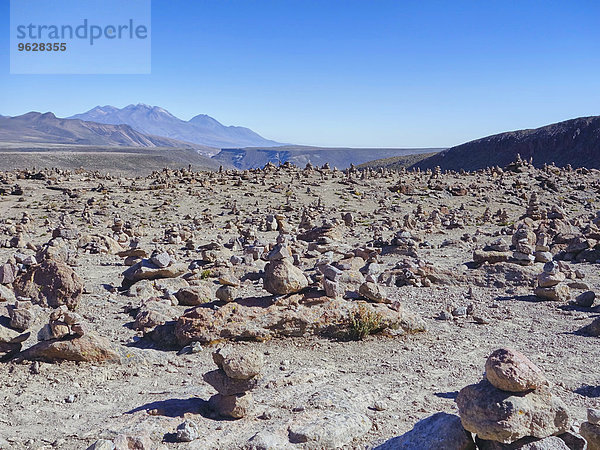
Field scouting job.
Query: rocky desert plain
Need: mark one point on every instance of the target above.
(300, 308)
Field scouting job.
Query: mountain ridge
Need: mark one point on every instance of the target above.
(201, 129)
(36, 127)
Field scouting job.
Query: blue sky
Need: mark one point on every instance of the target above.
(348, 72)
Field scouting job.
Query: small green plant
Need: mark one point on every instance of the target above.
(363, 321)
(205, 274)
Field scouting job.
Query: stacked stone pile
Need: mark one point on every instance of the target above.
(550, 283)
(237, 374)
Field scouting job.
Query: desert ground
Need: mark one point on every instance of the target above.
(368, 299)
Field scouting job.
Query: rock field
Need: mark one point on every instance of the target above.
(300, 308)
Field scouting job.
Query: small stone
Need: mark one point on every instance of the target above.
(380, 405)
(266, 440)
(373, 292)
(239, 364)
(548, 280)
(102, 444)
(591, 433)
(6, 294)
(226, 293)
(194, 295)
(225, 385)
(481, 319)
(444, 315)
(585, 299)
(282, 277)
(461, 311)
(187, 431)
(543, 257)
(551, 267)
(332, 288)
(510, 370)
(593, 416)
(235, 406)
(161, 260)
(330, 272)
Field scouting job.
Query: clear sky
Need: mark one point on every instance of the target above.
(386, 73)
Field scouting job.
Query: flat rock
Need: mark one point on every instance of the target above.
(492, 257)
(224, 385)
(286, 317)
(88, 347)
(527, 443)
(510, 370)
(329, 430)
(506, 417)
(439, 431)
(558, 293)
(146, 270)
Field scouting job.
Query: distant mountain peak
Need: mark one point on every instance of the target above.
(155, 120)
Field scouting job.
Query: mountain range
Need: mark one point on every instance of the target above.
(153, 120)
(35, 127)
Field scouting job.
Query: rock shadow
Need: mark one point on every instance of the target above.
(449, 395)
(522, 298)
(176, 407)
(588, 391)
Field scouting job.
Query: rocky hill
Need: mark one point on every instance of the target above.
(575, 142)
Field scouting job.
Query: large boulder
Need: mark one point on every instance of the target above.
(52, 283)
(505, 417)
(282, 278)
(289, 316)
(440, 431)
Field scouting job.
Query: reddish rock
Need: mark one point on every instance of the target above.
(52, 283)
(510, 370)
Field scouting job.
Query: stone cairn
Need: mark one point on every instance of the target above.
(513, 405)
(590, 430)
(237, 374)
(524, 245)
(550, 283)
